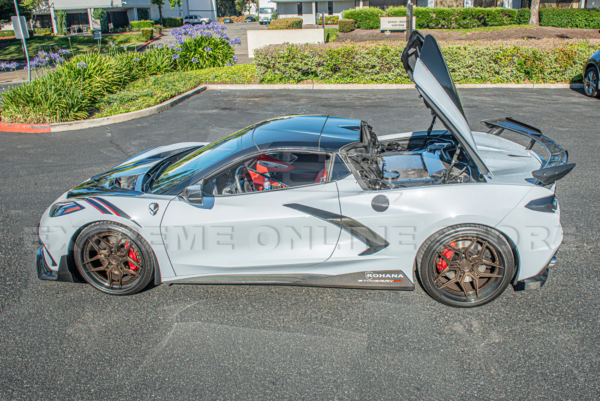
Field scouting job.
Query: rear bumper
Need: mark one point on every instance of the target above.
(536, 282)
(45, 273)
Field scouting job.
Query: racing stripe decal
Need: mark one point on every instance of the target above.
(112, 208)
(374, 241)
(98, 206)
(105, 207)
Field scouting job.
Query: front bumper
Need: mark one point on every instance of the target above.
(536, 282)
(45, 273)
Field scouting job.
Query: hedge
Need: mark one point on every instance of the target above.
(366, 18)
(380, 63)
(147, 33)
(346, 25)
(138, 25)
(10, 33)
(329, 20)
(286, 23)
(462, 18)
(43, 31)
(172, 22)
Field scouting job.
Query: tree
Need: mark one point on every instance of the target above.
(534, 15)
(175, 3)
(160, 4)
(7, 10)
(225, 7)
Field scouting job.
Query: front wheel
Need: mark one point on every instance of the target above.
(590, 82)
(465, 265)
(113, 258)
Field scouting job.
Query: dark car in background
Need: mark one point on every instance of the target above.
(590, 75)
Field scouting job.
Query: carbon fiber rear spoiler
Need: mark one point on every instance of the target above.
(555, 167)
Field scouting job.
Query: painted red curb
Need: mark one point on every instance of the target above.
(148, 42)
(26, 128)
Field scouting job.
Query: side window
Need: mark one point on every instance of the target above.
(271, 171)
(339, 170)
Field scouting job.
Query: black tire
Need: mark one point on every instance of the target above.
(590, 82)
(465, 282)
(102, 271)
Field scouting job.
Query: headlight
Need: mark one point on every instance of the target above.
(63, 208)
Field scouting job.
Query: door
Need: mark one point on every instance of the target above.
(258, 223)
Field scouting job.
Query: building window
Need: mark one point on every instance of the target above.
(299, 8)
(330, 7)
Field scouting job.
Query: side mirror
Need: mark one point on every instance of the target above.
(193, 194)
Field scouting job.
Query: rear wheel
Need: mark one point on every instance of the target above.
(113, 258)
(466, 265)
(590, 82)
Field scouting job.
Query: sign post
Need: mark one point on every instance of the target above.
(98, 37)
(21, 32)
(409, 19)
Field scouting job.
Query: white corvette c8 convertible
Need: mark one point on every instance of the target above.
(316, 200)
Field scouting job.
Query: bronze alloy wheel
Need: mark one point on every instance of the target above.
(113, 258)
(465, 265)
(467, 269)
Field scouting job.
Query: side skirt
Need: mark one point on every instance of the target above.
(369, 280)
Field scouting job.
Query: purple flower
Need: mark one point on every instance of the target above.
(179, 39)
(135, 60)
(175, 56)
(41, 54)
(82, 65)
(171, 46)
(234, 59)
(64, 51)
(159, 46)
(207, 49)
(228, 65)
(178, 49)
(112, 44)
(194, 60)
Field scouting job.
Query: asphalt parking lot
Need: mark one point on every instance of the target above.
(69, 341)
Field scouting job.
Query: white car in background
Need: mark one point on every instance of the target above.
(316, 200)
(196, 19)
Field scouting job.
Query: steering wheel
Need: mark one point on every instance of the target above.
(242, 173)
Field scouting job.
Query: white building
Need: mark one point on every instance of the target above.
(120, 12)
(308, 10)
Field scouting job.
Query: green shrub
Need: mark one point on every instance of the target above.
(379, 63)
(157, 29)
(436, 18)
(143, 14)
(43, 31)
(366, 18)
(274, 16)
(138, 25)
(172, 22)
(101, 15)
(6, 34)
(346, 25)
(73, 89)
(329, 20)
(331, 34)
(61, 21)
(286, 23)
(147, 33)
(588, 18)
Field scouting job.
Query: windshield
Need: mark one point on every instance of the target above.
(199, 160)
(265, 10)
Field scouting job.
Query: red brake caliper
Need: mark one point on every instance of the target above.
(133, 256)
(441, 265)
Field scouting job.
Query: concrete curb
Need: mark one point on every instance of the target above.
(381, 86)
(98, 122)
